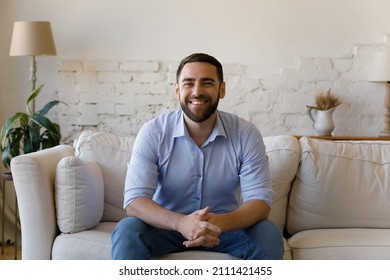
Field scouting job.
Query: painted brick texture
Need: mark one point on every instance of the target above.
(119, 96)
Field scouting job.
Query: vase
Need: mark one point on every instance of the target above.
(322, 120)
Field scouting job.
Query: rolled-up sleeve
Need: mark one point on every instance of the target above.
(255, 178)
(142, 170)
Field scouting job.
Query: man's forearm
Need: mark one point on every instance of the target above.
(153, 214)
(246, 215)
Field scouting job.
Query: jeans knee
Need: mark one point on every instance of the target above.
(269, 240)
(126, 239)
(272, 229)
(272, 232)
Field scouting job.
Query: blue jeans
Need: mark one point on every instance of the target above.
(132, 239)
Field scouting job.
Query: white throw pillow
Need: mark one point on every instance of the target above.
(79, 194)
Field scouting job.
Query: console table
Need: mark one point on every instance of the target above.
(340, 138)
(7, 177)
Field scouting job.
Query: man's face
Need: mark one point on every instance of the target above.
(199, 90)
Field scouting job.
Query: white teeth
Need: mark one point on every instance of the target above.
(197, 102)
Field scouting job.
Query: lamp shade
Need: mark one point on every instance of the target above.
(380, 71)
(32, 38)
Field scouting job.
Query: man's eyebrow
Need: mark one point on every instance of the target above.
(188, 79)
(205, 79)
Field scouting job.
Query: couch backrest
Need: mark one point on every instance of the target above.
(341, 184)
(283, 154)
(112, 152)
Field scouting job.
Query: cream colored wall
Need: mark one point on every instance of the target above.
(270, 34)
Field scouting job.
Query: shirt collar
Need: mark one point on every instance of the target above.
(181, 130)
(219, 129)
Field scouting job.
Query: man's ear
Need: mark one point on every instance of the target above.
(177, 91)
(222, 90)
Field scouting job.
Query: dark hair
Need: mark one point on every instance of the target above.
(200, 57)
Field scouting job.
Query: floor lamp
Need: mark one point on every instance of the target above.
(380, 72)
(32, 38)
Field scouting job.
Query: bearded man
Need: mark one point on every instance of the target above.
(198, 178)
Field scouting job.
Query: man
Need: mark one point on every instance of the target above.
(198, 178)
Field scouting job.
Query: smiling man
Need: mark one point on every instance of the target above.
(198, 178)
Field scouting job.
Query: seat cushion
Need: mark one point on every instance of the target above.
(341, 244)
(95, 244)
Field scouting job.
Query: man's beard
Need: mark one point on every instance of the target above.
(212, 107)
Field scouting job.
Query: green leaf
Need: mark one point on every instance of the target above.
(49, 139)
(47, 107)
(9, 123)
(11, 147)
(32, 97)
(32, 140)
(44, 122)
(14, 143)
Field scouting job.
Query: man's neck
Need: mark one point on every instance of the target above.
(200, 132)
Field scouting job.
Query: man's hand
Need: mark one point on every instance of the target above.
(200, 228)
(194, 227)
(198, 231)
(246, 215)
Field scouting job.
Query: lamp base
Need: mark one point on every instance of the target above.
(385, 133)
(386, 129)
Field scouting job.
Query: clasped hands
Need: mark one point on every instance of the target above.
(200, 230)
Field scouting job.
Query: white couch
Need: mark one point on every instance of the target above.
(332, 198)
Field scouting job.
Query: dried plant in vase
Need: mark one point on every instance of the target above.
(326, 101)
(321, 114)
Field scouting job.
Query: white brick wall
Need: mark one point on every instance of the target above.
(119, 96)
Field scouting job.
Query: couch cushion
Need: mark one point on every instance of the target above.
(341, 184)
(79, 194)
(111, 152)
(95, 244)
(283, 154)
(341, 244)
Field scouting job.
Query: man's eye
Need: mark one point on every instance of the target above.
(187, 84)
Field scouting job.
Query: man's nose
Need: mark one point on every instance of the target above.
(196, 90)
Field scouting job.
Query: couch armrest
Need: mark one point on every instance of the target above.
(34, 180)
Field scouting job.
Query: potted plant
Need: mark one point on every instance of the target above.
(29, 132)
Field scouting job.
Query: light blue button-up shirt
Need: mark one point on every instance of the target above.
(169, 167)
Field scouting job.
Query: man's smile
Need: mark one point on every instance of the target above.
(198, 101)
